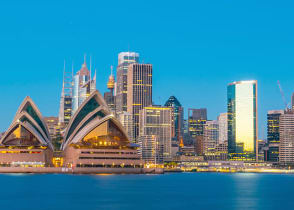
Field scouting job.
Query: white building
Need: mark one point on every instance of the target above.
(287, 137)
(126, 119)
(156, 121)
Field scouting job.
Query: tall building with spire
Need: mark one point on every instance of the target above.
(83, 86)
(109, 96)
(65, 108)
(124, 60)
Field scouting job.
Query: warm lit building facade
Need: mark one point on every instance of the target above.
(286, 134)
(156, 125)
(124, 60)
(223, 128)
(52, 124)
(126, 119)
(139, 91)
(196, 121)
(27, 142)
(96, 142)
(242, 120)
(273, 134)
(210, 136)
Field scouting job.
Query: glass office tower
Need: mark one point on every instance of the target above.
(242, 120)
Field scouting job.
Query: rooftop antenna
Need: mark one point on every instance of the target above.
(85, 55)
(90, 66)
(283, 95)
(72, 68)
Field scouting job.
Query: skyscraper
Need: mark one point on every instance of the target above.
(286, 151)
(65, 107)
(196, 121)
(178, 113)
(124, 60)
(126, 119)
(156, 125)
(242, 120)
(222, 145)
(210, 136)
(223, 128)
(139, 91)
(273, 134)
(83, 86)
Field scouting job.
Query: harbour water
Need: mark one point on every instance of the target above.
(168, 191)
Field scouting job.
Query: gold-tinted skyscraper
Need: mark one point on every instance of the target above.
(139, 91)
(242, 120)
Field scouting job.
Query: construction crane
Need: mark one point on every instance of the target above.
(283, 95)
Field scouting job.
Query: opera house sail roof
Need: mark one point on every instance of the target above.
(26, 143)
(28, 127)
(93, 123)
(94, 138)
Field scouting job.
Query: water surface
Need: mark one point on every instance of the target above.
(168, 191)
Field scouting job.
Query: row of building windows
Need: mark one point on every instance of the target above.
(108, 166)
(18, 152)
(110, 158)
(119, 153)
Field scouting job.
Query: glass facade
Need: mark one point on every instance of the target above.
(273, 134)
(178, 114)
(124, 60)
(242, 120)
(20, 136)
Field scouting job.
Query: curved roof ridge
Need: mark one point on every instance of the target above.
(26, 126)
(21, 108)
(100, 102)
(32, 120)
(85, 119)
(92, 125)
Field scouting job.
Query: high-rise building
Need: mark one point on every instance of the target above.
(156, 125)
(126, 119)
(52, 124)
(196, 121)
(109, 97)
(273, 134)
(124, 60)
(286, 151)
(223, 128)
(139, 91)
(65, 108)
(83, 86)
(178, 114)
(150, 151)
(242, 120)
(211, 136)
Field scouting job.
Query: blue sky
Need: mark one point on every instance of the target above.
(196, 47)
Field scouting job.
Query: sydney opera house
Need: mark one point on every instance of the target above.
(96, 141)
(26, 143)
(93, 142)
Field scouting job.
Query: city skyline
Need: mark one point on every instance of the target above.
(229, 56)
